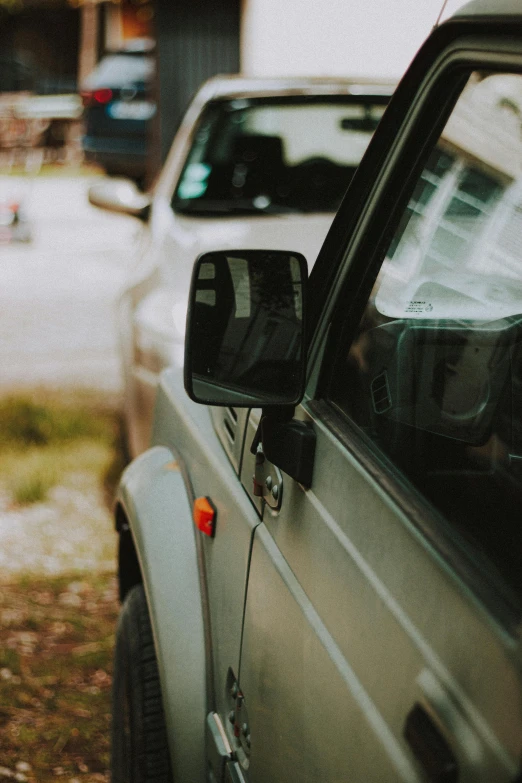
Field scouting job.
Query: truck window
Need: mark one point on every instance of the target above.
(434, 373)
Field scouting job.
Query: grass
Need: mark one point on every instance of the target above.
(56, 642)
(29, 474)
(25, 420)
(51, 170)
(45, 438)
(57, 632)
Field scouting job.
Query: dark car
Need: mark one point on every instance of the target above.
(117, 109)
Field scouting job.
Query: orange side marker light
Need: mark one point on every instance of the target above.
(204, 514)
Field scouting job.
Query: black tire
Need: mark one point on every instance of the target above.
(139, 737)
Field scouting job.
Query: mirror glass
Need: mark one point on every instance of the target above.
(245, 329)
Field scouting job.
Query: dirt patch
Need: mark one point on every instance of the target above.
(56, 642)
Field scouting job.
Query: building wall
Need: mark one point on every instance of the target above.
(45, 39)
(196, 39)
(333, 37)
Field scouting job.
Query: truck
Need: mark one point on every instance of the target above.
(319, 556)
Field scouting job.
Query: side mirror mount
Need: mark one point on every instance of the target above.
(120, 195)
(245, 339)
(287, 443)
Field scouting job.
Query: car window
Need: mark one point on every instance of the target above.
(434, 373)
(119, 70)
(281, 154)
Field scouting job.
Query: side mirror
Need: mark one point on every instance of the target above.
(120, 195)
(245, 334)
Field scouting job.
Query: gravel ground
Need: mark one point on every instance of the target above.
(71, 531)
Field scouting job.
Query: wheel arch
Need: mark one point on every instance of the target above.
(154, 508)
(129, 569)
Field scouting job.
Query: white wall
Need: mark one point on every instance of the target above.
(333, 37)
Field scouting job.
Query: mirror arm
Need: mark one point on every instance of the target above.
(144, 213)
(279, 413)
(288, 444)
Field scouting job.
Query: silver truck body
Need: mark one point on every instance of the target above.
(365, 627)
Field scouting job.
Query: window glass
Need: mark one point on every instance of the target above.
(279, 154)
(434, 374)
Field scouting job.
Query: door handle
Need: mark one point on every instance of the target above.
(430, 747)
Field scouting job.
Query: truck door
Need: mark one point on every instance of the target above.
(381, 630)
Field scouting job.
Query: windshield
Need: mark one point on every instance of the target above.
(276, 155)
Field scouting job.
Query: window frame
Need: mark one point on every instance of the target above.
(358, 269)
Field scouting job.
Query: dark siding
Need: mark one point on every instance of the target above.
(196, 39)
(46, 40)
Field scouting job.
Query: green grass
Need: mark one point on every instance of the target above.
(52, 169)
(30, 473)
(32, 489)
(26, 421)
(43, 440)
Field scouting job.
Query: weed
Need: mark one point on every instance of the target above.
(33, 489)
(45, 441)
(25, 422)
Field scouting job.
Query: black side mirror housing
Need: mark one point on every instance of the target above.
(245, 338)
(290, 445)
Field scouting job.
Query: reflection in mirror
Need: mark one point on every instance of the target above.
(245, 329)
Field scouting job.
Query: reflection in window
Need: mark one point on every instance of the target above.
(281, 154)
(434, 375)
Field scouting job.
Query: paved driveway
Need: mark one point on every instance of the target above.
(58, 292)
